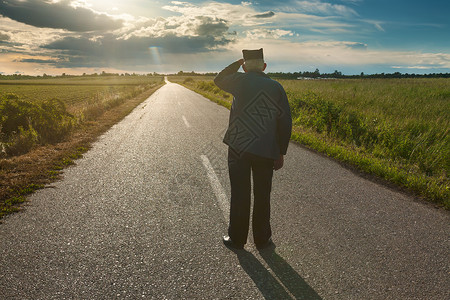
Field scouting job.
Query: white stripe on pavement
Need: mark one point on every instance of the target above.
(186, 122)
(221, 197)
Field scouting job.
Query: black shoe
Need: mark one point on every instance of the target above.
(264, 245)
(230, 244)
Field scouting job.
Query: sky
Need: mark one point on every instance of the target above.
(141, 36)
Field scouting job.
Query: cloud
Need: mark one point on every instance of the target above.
(235, 14)
(211, 27)
(132, 44)
(317, 24)
(323, 8)
(39, 61)
(268, 14)
(256, 34)
(4, 37)
(189, 25)
(61, 14)
(340, 55)
(355, 45)
(110, 51)
(128, 45)
(26, 38)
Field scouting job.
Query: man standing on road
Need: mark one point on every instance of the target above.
(258, 137)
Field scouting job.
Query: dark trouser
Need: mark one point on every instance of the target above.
(240, 167)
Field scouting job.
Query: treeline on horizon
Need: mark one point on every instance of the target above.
(279, 75)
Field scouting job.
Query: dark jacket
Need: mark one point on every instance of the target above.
(260, 117)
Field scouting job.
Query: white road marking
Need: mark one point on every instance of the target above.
(221, 197)
(186, 122)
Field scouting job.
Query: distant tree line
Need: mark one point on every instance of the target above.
(278, 75)
(64, 75)
(192, 73)
(336, 74)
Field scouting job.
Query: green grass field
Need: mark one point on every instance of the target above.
(75, 92)
(396, 129)
(45, 110)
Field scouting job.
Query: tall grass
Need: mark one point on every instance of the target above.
(206, 87)
(407, 120)
(24, 124)
(105, 100)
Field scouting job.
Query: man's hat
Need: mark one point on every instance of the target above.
(253, 54)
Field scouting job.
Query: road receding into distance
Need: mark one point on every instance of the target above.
(142, 214)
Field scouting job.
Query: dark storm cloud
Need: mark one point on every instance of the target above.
(75, 45)
(39, 61)
(268, 14)
(57, 15)
(110, 51)
(200, 34)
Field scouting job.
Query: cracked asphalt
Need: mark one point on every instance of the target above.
(139, 217)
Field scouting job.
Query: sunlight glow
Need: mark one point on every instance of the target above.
(155, 55)
(156, 58)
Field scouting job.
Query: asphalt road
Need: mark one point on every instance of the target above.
(142, 214)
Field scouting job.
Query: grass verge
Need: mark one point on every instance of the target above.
(22, 175)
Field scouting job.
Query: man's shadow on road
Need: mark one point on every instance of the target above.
(292, 285)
